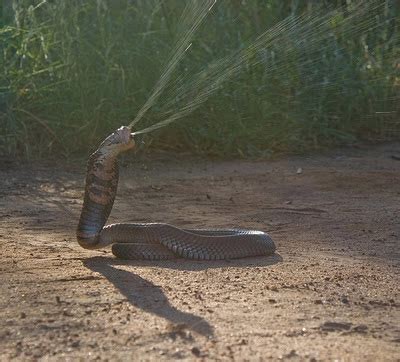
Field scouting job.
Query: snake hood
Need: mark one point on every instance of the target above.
(101, 187)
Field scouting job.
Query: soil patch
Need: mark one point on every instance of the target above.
(330, 292)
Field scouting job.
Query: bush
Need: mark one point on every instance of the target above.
(73, 71)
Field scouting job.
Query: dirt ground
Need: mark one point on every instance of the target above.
(331, 292)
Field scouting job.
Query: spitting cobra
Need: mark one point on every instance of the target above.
(151, 241)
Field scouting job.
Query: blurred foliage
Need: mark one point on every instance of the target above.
(73, 71)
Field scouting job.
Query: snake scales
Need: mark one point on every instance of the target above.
(151, 241)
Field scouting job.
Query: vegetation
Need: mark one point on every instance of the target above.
(72, 71)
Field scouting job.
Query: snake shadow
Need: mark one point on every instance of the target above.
(149, 297)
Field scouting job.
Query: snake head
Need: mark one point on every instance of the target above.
(119, 141)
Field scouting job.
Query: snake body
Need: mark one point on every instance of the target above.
(152, 241)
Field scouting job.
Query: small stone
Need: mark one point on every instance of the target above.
(23, 315)
(67, 313)
(291, 354)
(195, 351)
(345, 300)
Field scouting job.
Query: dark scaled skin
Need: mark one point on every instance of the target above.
(101, 187)
(151, 241)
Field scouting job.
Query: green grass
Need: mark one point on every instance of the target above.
(72, 71)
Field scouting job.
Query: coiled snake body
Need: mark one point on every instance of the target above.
(152, 241)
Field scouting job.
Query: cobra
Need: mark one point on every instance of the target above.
(151, 241)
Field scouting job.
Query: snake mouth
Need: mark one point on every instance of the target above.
(125, 136)
(119, 141)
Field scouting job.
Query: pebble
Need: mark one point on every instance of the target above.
(345, 300)
(195, 351)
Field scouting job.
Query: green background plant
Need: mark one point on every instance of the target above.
(72, 71)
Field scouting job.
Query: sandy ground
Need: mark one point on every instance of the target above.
(330, 292)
